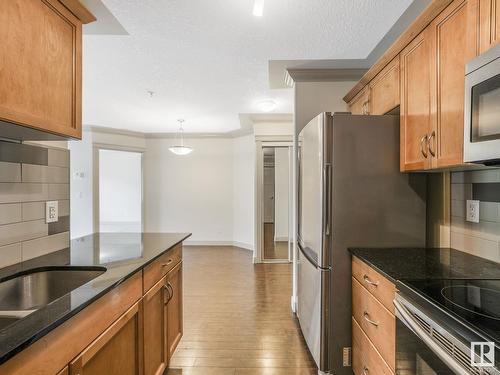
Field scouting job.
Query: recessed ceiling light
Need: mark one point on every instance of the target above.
(258, 8)
(267, 105)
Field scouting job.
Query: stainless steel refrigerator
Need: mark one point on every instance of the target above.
(351, 194)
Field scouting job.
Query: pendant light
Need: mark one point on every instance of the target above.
(180, 148)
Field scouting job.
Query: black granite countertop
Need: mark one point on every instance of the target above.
(121, 254)
(399, 264)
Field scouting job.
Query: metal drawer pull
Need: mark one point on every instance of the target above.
(433, 135)
(167, 291)
(368, 281)
(367, 318)
(365, 370)
(424, 139)
(171, 291)
(168, 263)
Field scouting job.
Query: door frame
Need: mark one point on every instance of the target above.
(285, 142)
(96, 219)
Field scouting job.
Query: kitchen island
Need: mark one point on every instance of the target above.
(137, 283)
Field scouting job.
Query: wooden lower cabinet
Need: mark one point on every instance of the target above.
(117, 351)
(64, 371)
(365, 358)
(155, 329)
(373, 322)
(174, 308)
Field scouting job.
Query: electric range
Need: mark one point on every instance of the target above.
(448, 325)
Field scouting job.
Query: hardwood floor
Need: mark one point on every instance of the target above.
(237, 317)
(272, 249)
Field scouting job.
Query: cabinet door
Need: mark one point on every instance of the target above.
(174, 308)
(155, 329)
(40, 66)
(64, 371)
(415, 109)
(489, 16)
(117, 351)
(384, 89)
(453, 44)
(360, 104)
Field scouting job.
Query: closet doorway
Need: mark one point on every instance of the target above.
(276, 197)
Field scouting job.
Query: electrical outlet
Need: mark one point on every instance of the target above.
(51, 211)
(472, 209)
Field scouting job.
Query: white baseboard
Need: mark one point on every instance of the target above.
(242, 245)
(281, 239)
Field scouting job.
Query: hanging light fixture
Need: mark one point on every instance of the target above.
(180, 148)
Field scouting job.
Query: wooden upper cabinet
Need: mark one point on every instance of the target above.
(117, 351)
(155, 329)
(360, 105)
(489, 17)
(41, 66)
(384, 89)
(174, 308)
(415, 111)
(453, 44)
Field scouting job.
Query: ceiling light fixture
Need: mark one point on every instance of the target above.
(267, 105)
(258, 8)
(180, 148)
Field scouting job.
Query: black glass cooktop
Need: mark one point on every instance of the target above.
(476, 302)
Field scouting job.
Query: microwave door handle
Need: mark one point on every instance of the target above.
(410, 322)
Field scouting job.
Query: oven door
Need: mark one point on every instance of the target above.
(417, 348)
(482, 110)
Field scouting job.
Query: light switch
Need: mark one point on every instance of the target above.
(472, 211)
(51, 211)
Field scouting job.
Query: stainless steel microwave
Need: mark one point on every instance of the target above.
(482, 108)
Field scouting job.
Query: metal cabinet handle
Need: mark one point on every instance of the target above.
(171, 291)
(429, 143)
(365, 370)
(168, 263)
(422, 149)
(167, 291)
(367, 318)
(368, 281)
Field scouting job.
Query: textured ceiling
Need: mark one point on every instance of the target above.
(206, 60)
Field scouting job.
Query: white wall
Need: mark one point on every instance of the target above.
(312, 98)
(81, 179)
(81, 159)
(120, 191)
(192, 193)
(244, 191)
(210, 192)
(281, 196)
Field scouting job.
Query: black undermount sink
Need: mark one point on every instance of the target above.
(26, 291)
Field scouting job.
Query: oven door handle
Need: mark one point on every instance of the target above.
(410, 322)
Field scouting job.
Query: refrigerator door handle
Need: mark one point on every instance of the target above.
(328, 198)
(309, 254)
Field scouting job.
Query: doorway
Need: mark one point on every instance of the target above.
(118, 191)
(276, 202)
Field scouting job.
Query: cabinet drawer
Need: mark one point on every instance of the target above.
(376, 321)
(374, 282)
(161, 266)
(365, 358)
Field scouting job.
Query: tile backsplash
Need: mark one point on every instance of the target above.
(483, 238)
(29, 176)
